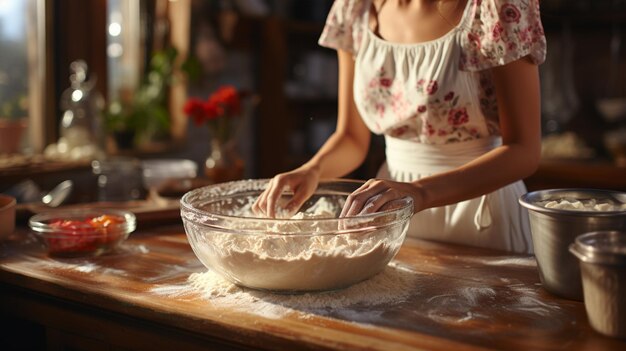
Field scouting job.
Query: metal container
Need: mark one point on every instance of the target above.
(602, 258)
(553, 230)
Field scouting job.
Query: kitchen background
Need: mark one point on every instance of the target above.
(145, 58)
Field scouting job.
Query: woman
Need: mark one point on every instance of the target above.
(454, 87)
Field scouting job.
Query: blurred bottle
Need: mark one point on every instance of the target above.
(119, 179)
(81, 130)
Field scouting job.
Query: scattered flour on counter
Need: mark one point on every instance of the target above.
(143, 249)
(504, 261)
(527, 300)
(473, 294)
(86, 268)
(392, 286)
(78, 265)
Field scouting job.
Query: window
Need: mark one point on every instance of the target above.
(22, 68)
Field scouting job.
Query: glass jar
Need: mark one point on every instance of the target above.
(81, 130)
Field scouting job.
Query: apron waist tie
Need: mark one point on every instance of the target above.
(421, 160)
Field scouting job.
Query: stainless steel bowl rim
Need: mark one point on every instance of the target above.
(405, 211)
(529, 200)
(586, 252)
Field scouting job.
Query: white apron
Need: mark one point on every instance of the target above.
(495, 220)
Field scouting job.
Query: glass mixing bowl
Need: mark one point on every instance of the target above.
(311, 251)
(84, 232)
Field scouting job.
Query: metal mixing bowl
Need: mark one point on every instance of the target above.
(314, 253)
(602, 258)
(553, 230)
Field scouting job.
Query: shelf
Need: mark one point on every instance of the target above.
(304, 27)
(312, 100)
(577, 174)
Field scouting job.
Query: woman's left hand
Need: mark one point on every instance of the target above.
(378, 194)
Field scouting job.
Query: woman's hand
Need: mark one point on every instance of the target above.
(378, 194)
(302, 182)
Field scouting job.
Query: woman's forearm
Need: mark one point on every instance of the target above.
(341, 154)
(493, 170)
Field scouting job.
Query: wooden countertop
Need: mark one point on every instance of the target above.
(463, 299)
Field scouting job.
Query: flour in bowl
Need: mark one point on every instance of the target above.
(298, 255)
(298, 263)
(584, 205)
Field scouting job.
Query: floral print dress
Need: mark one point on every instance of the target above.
(436, 98)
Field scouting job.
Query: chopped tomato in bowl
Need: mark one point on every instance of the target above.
(82, 232)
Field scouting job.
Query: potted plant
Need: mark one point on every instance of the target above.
(143, 114)
(13, 113)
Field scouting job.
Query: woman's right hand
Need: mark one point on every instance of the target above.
(302, 182)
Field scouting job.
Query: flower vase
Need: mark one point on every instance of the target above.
(224, 162)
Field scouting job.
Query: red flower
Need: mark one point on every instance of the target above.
(509, 13)
(457, 116)
(212, 110)
(399, 131)
(497, 31)
(512, 46)
(195, 109)
(421, 108)
(474, 40)
(227, 98)
(449, 96)
(217, 111)
(386, 82)
(226, 101)
(428, 129)
(432, 87)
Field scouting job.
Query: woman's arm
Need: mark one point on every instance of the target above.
(342, 153)
(517, 90)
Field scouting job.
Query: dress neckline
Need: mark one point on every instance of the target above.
(451, 32)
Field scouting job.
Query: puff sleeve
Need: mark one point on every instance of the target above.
(501, 31)
(344, 26)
